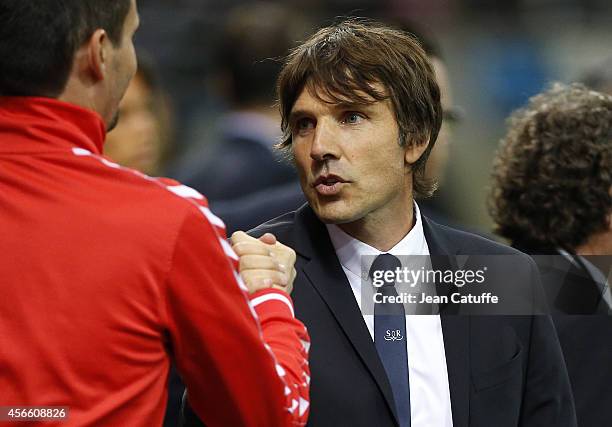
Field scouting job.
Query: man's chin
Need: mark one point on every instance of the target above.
(333, 213)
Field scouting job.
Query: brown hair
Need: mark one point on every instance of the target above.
(345, 60)
(552, 176)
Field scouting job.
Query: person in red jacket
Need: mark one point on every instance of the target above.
(106, 274)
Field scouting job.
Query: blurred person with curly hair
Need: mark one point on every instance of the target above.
(553, 173)
(552, 198)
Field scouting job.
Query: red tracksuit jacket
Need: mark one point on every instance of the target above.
(106, 274)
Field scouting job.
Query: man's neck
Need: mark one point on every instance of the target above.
(86, 96)
(381, 233)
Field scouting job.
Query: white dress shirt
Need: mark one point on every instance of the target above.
(430, 404)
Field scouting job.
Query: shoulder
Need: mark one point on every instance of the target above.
(107, 178)
(130, 199)
(463, 242)
(457, 242)
(162, 199)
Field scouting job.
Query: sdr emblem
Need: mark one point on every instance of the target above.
(395, 335)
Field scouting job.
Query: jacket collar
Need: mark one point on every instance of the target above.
(31, 125)
(310, 232)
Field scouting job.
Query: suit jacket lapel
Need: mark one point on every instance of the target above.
(326, 275)
(455, 328)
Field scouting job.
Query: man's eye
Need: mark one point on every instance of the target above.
(352, 118)
(304, 124)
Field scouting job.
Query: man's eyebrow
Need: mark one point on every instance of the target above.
(296, 114)
(353, 105)
(339, 106)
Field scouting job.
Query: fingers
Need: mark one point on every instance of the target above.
(281, 249)
(258, 262)
(291, 279)
(256, 280)
(268, 238)
(244, 244)
(265, 277)
(255, 247)
(241, 236)
(284, 254)
(264, 262)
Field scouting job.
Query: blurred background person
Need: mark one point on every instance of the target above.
(552, 186)
(238, 159)
(437, 207)
(235, 163)
(552, 197)
(143, 137)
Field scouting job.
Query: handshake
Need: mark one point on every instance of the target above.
(264, 262)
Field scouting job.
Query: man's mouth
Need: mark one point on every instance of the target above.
(329, 185)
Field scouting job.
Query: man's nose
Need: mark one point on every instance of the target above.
(324, 143)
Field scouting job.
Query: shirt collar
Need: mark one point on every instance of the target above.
(31, 124)
(350, 250)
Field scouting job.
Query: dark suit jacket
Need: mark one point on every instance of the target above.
(502, 371)
(585, 333)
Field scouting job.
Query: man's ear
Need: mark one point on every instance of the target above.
(97, 54)
(413, 150)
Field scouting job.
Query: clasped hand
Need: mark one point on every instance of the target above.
(264, 262)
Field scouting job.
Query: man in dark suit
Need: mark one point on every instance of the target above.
(552, 197)
(361, 111)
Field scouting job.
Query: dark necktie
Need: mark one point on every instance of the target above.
(390, 339)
